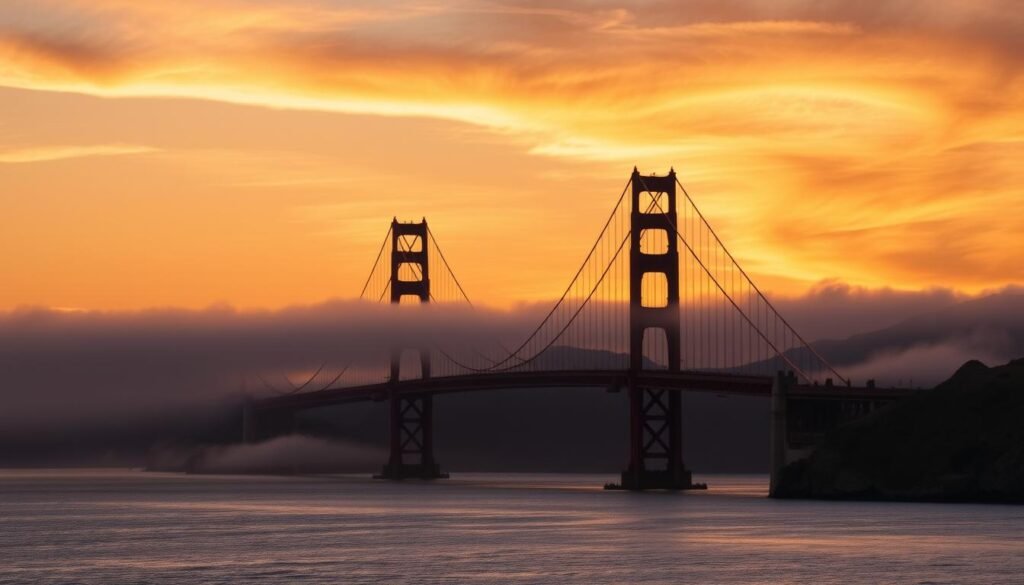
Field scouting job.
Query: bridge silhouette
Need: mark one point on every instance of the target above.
(657, 306)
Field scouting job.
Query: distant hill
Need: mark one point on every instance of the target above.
(989, 327)
(961, 441)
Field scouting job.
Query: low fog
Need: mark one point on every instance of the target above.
(69, 368)
(291, 453)
(66, 372)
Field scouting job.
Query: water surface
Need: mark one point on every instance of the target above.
(113, 526)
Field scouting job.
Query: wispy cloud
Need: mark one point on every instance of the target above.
(870, 141)
(52, 153)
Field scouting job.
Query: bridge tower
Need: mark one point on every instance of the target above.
(656, 426)
(411, 417)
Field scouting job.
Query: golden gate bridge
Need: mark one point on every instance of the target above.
(657, 306)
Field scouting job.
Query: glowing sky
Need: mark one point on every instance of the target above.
(194, 152)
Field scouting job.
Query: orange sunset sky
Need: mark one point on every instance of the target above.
(185, 153)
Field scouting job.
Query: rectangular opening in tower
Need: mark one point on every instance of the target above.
(654, 242)
(652, 202)
(654, 290)
(655, 349)
(410, 300)
(410, 365)
(409, 243)
(410, 272)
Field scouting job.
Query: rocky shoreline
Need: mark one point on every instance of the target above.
(962, 441)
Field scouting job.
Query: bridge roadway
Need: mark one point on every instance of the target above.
(612, 380)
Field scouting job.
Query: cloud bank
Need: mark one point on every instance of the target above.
(68, 367)
(67, 370)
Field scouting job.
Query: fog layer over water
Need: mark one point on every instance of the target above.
(119, 526)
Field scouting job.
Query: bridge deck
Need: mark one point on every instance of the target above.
(719, 383)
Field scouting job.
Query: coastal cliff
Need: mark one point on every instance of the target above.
(961, 441)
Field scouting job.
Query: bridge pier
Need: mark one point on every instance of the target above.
(655, 442)
(779, 439)
(411, 435)
(802, 415)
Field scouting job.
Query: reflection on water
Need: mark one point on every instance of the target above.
(108, 526)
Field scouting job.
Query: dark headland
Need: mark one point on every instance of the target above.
(961, 441)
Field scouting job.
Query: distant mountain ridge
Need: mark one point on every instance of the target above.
(994, 322)
(989, 327)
